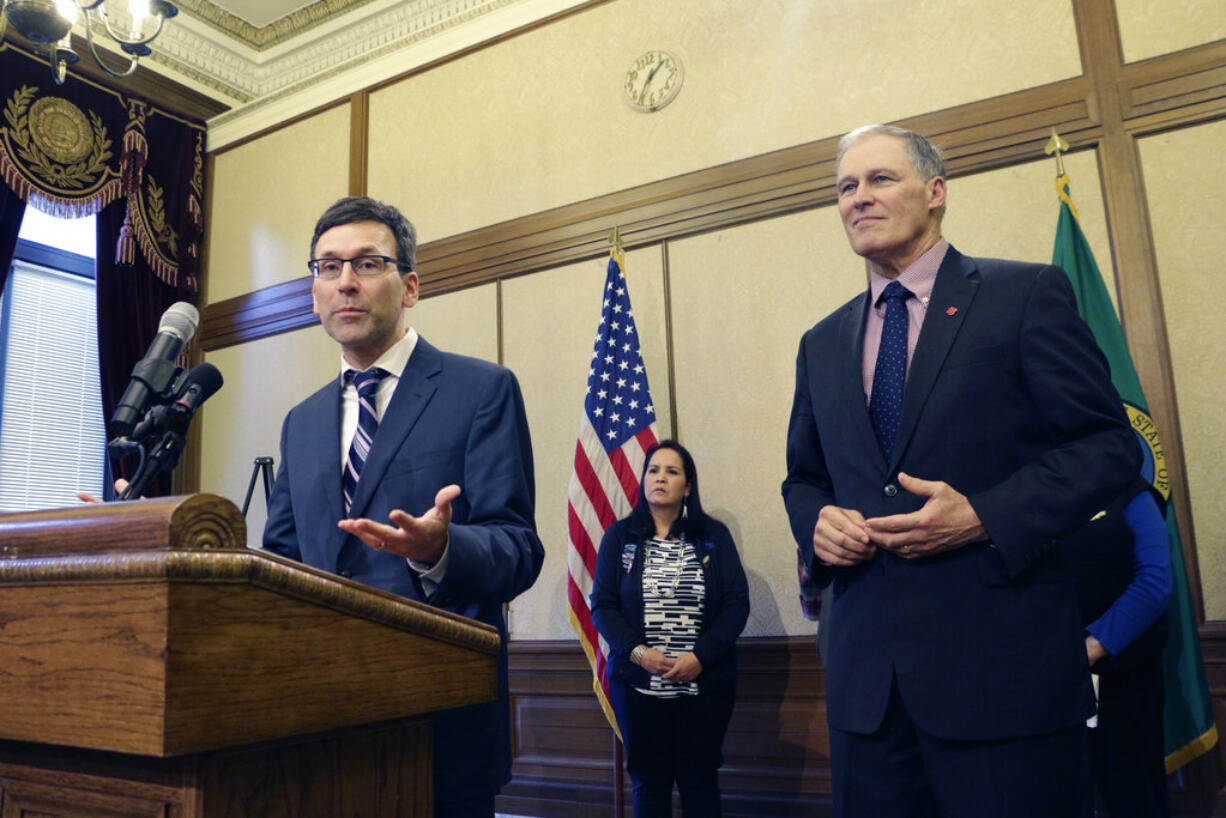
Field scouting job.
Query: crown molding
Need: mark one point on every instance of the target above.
(319, 54)
(260, 37)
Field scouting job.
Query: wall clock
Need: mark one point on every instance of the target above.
(653, 81)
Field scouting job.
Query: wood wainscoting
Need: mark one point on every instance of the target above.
(776, 753)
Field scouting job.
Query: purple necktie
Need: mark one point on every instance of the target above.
(367, 384)
(885, 404)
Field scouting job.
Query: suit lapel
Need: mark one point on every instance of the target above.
(851, 374)
(325, 465)
(952, 294)
(412, 394)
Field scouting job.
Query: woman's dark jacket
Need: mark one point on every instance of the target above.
(617, 602)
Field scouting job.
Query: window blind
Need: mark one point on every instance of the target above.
(52, 433)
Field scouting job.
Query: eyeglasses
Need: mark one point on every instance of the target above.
(366, 266)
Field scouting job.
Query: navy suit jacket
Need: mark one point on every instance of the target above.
(452, 419)
(1008, 399)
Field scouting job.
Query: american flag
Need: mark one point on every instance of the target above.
(617, 428)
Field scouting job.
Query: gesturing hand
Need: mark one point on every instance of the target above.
(421, 539)
(86, 497)
(946, 521)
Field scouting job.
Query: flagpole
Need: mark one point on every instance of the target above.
(619, 763)
(619, 777)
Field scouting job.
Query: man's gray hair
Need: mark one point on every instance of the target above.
(925, 157)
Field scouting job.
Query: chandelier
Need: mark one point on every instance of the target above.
(49, 23)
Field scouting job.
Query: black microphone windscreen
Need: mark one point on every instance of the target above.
(206, 377)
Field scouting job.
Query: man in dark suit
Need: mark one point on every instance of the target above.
(436, 498)
(944, 435)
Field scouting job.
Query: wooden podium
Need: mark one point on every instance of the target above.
(152, 665)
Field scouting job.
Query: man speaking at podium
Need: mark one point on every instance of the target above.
(411, 471)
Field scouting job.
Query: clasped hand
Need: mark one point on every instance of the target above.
(420, 539)
(684, 669)
(946, 521)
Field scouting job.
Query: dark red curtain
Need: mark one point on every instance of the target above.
(81, 148)
(11, 210)
(131, 300)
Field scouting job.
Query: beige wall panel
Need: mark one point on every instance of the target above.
(266, 378)
(549, 324)
(741, 300)
(1012, 212)
(1152, 27)
(540, 120)
(266, 197)
(465, 322)
(1186, 236)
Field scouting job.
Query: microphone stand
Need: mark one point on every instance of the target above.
(167, 417)
(263, 470)
(162, 457)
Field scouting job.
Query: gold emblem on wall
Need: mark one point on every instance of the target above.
(60, 130)
(54, 144)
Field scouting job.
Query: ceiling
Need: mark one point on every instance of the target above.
(260, 13)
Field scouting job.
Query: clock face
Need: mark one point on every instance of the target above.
(653, 81)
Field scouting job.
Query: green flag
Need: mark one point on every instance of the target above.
(1187, 709)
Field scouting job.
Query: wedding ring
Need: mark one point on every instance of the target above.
(906, 549)
(381, 546)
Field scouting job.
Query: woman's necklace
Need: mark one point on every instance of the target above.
(665, 567)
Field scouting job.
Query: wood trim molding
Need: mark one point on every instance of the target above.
(1187, 77)
(1164, 92)
(162, 91)
(777, 751)
(976, 136)
(359, 142)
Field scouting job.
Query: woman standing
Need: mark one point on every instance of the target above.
(670, 598)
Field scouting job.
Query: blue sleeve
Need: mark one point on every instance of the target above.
(719, 636)
(1146, 596)
(280, 530)
(606, 606)
(494, 553)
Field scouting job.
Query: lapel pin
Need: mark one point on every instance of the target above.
(951, 310)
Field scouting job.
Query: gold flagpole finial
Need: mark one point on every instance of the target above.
(1056, 145)
(615, 241)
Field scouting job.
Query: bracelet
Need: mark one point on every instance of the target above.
(636, 655)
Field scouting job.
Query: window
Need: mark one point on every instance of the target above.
(52, 433)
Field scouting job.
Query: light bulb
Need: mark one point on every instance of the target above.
(68, 10)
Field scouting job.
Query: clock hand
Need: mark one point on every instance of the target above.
(647, 82)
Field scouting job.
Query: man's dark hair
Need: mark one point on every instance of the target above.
(365, 209)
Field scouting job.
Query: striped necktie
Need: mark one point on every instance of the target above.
(885, 403)
(367, 384)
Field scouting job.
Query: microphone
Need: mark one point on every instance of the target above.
(154, 373)
(171, 421)
(195, 387)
